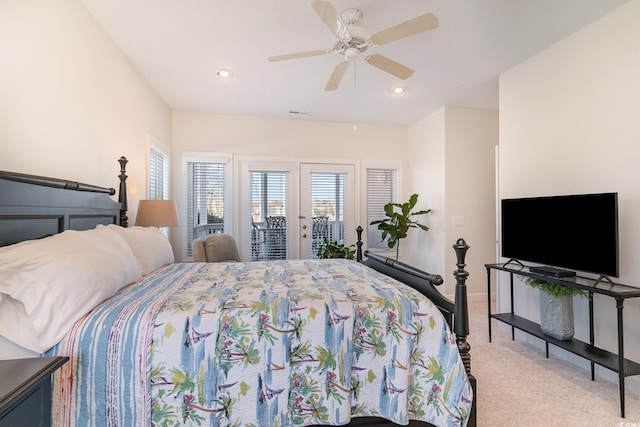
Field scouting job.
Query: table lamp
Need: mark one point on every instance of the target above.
(157, 213)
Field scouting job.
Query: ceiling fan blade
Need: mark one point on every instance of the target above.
(331, 18)
(336, 76)
(390, 66)
(299, 55)
(405, 29)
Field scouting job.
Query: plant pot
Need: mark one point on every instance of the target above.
(556, 316)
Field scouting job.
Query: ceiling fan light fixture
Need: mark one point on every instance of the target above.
(223, 73)
(351, 53)
(399, 90)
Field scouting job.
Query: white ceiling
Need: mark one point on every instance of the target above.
(179, 44)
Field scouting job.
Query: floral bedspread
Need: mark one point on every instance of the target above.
(285, 343)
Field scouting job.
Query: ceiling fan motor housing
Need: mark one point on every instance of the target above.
(351, 16)
(357, 44)
(359, 36)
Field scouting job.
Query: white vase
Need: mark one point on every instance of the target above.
(556, 316)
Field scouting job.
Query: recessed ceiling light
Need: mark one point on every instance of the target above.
(399, 89)
(223, 74)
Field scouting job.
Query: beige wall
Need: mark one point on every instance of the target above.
(452, 167)
(427, 144)
(71, 103)
(260, 136)
(296, 140)
(472, 137)
(569, 124)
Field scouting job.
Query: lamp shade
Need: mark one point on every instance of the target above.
(157, 213)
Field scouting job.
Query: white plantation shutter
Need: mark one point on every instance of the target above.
(158, 179)
(382, 188)
(158, 174)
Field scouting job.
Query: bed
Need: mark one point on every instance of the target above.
(277, 343)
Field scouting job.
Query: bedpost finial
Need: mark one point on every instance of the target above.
(461, 248)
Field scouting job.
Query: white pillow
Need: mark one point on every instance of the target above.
(150, 247)
(12, 314)
(60, 278)
(10, 350)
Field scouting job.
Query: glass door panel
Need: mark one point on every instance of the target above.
(269, 208)
(327, 207)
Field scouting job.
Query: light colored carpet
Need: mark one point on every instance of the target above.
(518, 386)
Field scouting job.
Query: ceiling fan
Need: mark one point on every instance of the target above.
(353, 41)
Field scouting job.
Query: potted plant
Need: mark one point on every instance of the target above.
(328, 249)
(556, 307)
(399, 220)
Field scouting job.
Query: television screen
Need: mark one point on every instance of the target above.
(577, 232)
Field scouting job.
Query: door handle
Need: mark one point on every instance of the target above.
(304, 236)
(304, 227)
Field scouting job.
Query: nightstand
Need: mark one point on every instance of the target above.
(25, 390)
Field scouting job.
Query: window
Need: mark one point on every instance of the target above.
(158, 179)
(205, 200)
(158, 174)
(382, 188)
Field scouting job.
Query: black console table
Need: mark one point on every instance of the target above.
(597, 356)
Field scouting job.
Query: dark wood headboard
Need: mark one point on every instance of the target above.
(32, 207)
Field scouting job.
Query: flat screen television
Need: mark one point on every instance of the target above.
(576, 232)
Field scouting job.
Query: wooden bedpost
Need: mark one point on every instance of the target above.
(461, 318)
(122, 196)
(461, 326)
(359, 231)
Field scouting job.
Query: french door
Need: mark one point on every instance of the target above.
(288, 209)
(327, 206)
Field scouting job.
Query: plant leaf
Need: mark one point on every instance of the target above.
(388, 209)
(413, 200)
